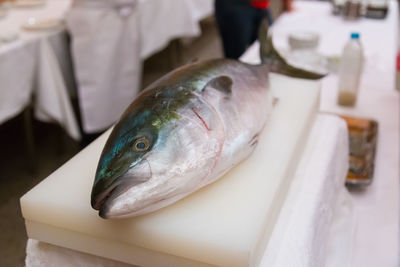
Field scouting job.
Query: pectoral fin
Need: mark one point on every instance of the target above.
(222, 84)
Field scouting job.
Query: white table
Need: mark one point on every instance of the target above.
(379, 37)
(376, 241)
(109, 41)
(37, 64)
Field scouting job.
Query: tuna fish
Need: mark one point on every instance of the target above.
(185, 131)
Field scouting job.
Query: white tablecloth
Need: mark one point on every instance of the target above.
(38, 63)
(376, 208)
(35, 65)
(163, 20)
(302, 236)
(109, 41)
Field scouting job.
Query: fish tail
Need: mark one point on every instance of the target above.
(270, 56)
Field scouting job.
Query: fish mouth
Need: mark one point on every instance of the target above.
(103, 202)
(99, 200)
(106, 192)
(105, 189)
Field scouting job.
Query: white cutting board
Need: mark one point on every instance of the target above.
(227, 223)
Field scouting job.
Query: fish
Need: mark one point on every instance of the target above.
(185, 131)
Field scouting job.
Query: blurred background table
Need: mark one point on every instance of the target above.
(110, 39)
(379, 38)
(36, 68)
(376, 240)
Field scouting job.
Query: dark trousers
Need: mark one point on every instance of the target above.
(238, 25)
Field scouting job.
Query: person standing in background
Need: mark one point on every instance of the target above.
(238, 22)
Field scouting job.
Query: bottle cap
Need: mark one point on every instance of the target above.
(355, 35)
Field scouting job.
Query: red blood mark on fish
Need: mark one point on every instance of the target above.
(198, 116)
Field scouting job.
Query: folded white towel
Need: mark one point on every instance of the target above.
(300, 237)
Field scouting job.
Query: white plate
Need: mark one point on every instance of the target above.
(34, 24)
(28, 3)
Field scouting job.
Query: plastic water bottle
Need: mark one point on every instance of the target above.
(350, 71)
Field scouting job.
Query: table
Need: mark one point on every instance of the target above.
(110, 39)
(376, 208)
(378, 37)
(47, 71)
(37, 64)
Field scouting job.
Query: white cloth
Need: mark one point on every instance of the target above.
(51, 96)
(302, 228)
(200, 8)
(16, 83)
(376, 239)
(40, 254)
(340, 246)
(105, 49)
(35, 65)
(376, 208)
(109, 40)
(163, 20)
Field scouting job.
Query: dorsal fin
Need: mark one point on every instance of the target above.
(221, 83)
(270, 56)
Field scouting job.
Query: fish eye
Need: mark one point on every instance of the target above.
(141, 144)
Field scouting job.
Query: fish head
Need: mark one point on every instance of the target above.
(130, 140)
(150, 161)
